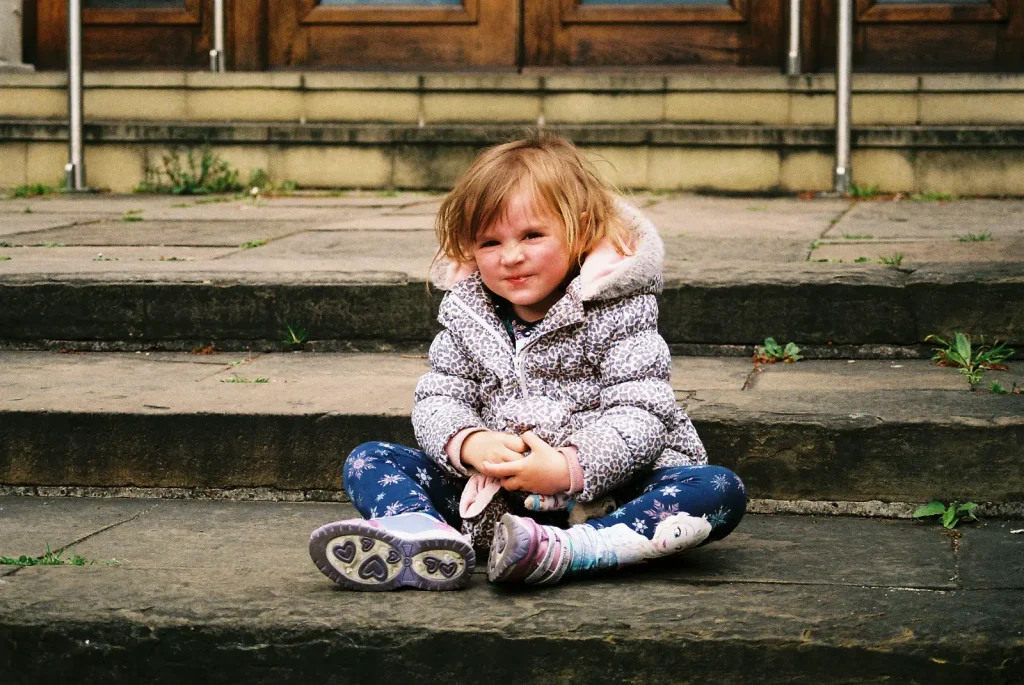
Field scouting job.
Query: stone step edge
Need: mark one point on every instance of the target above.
(801, 507)
(620, 134)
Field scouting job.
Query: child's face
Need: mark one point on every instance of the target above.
(523, 257)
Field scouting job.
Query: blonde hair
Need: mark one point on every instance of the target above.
(560, 180)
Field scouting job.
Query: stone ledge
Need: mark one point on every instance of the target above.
(712, 135)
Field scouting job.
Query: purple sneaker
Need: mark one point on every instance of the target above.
(515, 549)
(412, 549)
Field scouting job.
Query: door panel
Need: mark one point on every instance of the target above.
(653, 33)
(416, 34)
(940, 35)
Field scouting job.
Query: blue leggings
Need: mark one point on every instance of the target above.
(385, 479)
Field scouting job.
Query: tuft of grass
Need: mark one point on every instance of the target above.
(4, 258)
(188, 171)
(240, 379)
(974, 237)
(1000, 390)
(950, 514)
(51, 558)
(972, 361)
(857, 236)
(253, 243)
(863, 192)
(34, 190)
(6, 243)
(295, 338)
(28, 210)
(891, 260)
(931, 196)
(861, 260)
(772, 352)
(50, 245)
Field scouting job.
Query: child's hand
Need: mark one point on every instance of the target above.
(544, 472)
(485, 447)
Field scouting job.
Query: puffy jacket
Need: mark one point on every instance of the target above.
(593, 373)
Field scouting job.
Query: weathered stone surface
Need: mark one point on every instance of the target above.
(815, 430)
(226, 591)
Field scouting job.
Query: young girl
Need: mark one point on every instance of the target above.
(548, 389)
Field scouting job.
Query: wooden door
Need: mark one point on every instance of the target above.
(653, 33)
(122, 33)
(923, 36)
(412, 35)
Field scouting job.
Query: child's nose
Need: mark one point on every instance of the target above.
(511, 254)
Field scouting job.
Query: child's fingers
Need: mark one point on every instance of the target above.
(501, 470)
(511, 483)
(513, 442)
(533, 442)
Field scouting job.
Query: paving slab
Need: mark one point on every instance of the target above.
(911, 253)
(160, 233)
(935, 220)
(24, 223)
(811, 431)
(783, 600)
(742, 218)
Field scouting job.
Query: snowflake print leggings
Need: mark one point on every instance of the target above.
(385, 479)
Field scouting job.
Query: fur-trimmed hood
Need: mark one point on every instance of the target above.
(605, 274)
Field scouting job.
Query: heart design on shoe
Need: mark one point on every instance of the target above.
(367, 543)
(374, 568)
(345, 552)
(394, 557)
(448, 570)
(431, 564)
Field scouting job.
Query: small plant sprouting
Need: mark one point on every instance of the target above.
(891, 260)
(931, 196)
(34, 190)
(857, 236)
(951, 515)
(5, 243)
(772, 352)
(863, 192)
(295, 338)
(190, 172)
(51, 558)
(50, 245)
(1000, 390)
(4, 258)
(861, 260)
(253, 243)
(974, 237)
(132, 215)
(972, 362)
(28, 210)
(240, 379)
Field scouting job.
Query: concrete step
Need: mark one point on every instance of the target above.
(350, 271)
(822, 431)
(225, 592)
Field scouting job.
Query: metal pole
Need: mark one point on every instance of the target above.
(844, 67)
(793, 57)
(74, 170)
(217, 54)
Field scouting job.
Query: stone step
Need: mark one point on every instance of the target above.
(824, 431)
(783, 600)
(351, 271)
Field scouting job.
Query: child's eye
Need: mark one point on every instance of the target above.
(489, 243)
(534, 234)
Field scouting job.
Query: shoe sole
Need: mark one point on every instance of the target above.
(358, 556)
(511, 544)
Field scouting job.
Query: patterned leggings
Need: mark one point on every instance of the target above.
(385, 479)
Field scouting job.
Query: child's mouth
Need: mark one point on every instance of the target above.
(518, 280)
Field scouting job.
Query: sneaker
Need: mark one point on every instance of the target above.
(519, 548)
(412, 549)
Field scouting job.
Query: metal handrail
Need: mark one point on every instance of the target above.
(793, 57)
(217, 62)
(74, 170)
(844, 70)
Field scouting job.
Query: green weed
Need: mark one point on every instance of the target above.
(772, 352)
(861, 260)
(951, 514)
(239, 379)
(974, 237)
(50, 245)
(931, 196)
(132, 215)
(5, 243)
(253, 243)
(28, 210)
(891, 260)
(190, 172)
(34, 190)
(857, 236)
(863, 192)
(972, 361)
(294, 338)
(1000, 390)
(51, 558)
(4, 258)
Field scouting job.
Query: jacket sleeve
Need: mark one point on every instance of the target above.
(637, 404)
(447, 399)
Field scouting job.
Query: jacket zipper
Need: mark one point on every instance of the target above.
(517, 353)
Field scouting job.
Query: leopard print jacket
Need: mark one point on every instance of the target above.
(593, 373)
